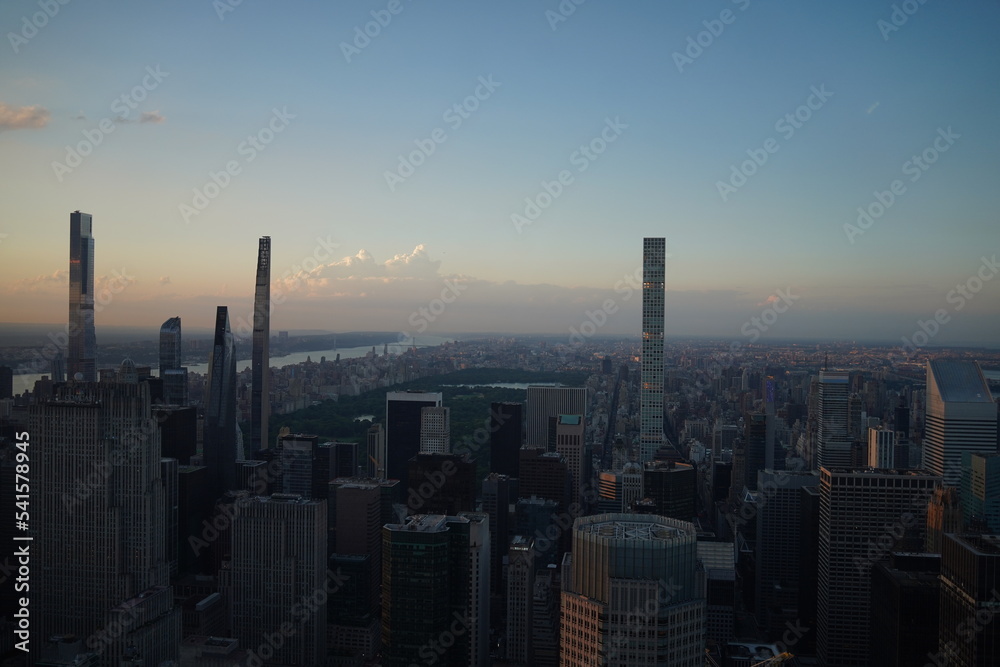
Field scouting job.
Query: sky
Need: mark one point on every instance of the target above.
(451, 166)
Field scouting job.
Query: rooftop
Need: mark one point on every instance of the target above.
(959, 381)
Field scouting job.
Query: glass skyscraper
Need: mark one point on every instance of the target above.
(651, 392)
(82, 356)
(260, 389)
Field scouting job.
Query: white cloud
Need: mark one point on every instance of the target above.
(21, 118)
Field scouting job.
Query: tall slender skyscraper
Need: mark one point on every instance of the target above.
(505, 437)
(82, 338)
(260, 390)
(402, 428)
(961, 417)
(220, 430)
(651, 392)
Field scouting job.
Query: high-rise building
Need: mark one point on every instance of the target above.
(435, 430)
(618, 490)
(833, 441)
(881, 448)
(355, 514)
(499, 495)
(435, 590)
(905, 605)
(633, 593)
(172, 373)
(546, 402)
(440, 484)
(220, 432)
(375, 460)
(100, 533)
(672, 488)
(571, 442)
(299, 464)
(970, 579)
(545, 475)
(864, 514)
(82, 353)
(651, 388)
(961, 416)
(980, 494)
(505, 437)
(260, 387)
(779, 548)
(402, 428)
(520, 601)
(718, 560)
(7, 382)
(944, 515)
(278, 568)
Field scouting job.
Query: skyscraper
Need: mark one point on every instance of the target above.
(505, 437)
(881, 447)
(651, 389)
(402, 428)
(222, 448)
(961, 416)
(435, 590)
(546, 402)
(260, 388)
(833, 442)
(779, 548)
(278, 568)
(633, 593)
(435, 430)
(864, 514)
(520, 599)
(82, 356)
(174, 376)
(572, 444)
(969, 583)
(101, 513)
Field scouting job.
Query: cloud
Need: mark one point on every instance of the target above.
(769, 300)
(21, 118)
(164, 280)
(415, 264)
(151, 117)
(41, 282)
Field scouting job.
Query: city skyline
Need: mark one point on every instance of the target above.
(848, 101)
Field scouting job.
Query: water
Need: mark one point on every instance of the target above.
(27, 382)
(508, 385)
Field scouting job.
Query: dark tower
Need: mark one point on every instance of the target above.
(260, 404)
(221, 447)
(505, 439)
(82, 338)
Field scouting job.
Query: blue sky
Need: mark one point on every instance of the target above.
(560, 83)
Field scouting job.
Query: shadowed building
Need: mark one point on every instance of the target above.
(260, 387)
(221, 434)
(82, 343)
(654, 252)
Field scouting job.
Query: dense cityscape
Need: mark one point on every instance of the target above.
(500, 500)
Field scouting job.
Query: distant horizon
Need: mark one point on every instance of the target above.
(41, 329)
